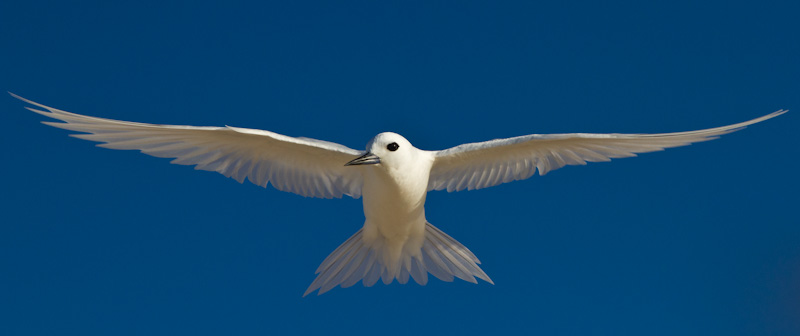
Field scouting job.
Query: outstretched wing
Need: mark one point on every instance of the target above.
(486, 164)
(303, 166)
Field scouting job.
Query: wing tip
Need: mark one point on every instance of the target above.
(49, 113)
(764, 117)
(22, 99)
(742, 125)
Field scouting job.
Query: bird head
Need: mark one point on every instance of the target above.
(388, 149)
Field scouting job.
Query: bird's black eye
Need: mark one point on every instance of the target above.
(392, 146)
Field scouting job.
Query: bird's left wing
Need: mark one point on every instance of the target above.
(303, 166)
(485, 164)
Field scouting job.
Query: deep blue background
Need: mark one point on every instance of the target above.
(702, 240)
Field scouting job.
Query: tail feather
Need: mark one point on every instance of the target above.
(460, 260)
(354, 260)
(419, 272)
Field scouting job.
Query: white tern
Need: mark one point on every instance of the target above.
(394, 177)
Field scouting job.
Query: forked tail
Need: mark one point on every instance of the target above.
(354, 260)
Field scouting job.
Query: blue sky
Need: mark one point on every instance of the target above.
(693, 241)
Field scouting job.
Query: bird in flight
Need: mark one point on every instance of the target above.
(392, 176)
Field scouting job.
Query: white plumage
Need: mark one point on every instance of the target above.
(396, 241)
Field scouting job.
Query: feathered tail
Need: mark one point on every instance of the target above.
(354, 260)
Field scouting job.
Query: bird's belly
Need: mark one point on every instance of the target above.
(393, 215)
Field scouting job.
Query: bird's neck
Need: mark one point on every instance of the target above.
(402, 189)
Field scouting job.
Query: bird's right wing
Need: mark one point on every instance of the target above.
(485, 164)
(303, 166)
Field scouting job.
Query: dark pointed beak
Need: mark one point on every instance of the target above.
(366, 159)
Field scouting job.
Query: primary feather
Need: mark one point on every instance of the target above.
(486, 164)
(303, 166)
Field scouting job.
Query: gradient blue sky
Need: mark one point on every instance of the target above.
(700, 240)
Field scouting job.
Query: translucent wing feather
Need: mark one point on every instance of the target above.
(303, 166)
(485, 164)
